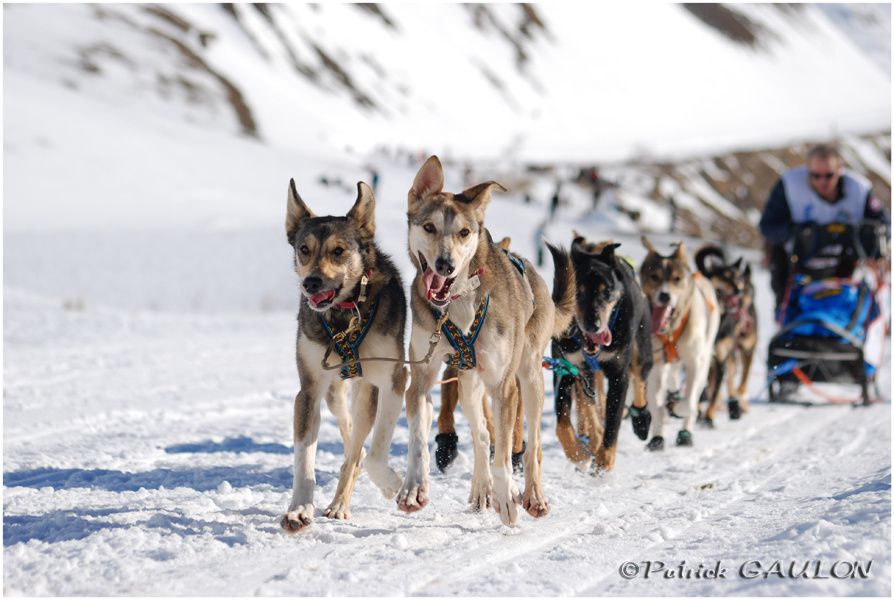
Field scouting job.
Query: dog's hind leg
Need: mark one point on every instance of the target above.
(471, 390)
(712, 389)
(337, 401)
(388, 412)
(446, 440)
(306, 424)
(364, 413)
(530, 380)
(742, 391)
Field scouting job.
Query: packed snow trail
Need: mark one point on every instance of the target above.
(151, 454)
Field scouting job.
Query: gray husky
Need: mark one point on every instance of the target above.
(353, 308)
(496, 316)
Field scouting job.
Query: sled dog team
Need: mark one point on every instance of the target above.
(487, 313)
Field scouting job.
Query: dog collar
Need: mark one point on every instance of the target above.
(361, 297)
(670, 342)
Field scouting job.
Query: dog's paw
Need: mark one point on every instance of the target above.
(706, 422)
(506, 499)
(482, 495)
(655, 444)
(735, 409)
(338, 509)
(413, 496)
(298, 519)
(535, 502)
(446, 452)
(684, 438)
(641, 419)
(386, 479)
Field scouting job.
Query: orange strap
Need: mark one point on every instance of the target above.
(670, 343)
(804, 379)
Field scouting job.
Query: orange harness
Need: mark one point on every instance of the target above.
(670, 341)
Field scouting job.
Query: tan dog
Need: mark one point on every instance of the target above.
(684, 323)
(502, 310)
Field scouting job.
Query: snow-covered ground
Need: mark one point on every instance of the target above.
(148, 452)
(148, 372)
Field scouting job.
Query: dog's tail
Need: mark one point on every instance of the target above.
(564, 286)
(702, 255)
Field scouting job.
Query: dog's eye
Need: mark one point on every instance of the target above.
(464, 233)
(429, 228)
(678, 279)
(338, 251)
(655, 277)
(304, 250)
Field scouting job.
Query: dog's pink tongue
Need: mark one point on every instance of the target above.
(433, 282)
(322, 296)
(660, 317)
(601, 338)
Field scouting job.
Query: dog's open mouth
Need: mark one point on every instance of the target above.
(661, 316)
(321, 300)
(598, 340)
(437, 287)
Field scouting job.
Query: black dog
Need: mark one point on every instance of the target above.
(611, 337)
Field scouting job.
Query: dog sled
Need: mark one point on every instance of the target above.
(834, 316)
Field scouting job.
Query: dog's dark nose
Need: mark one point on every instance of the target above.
(444, 266)
(664, 298)
(312, 285)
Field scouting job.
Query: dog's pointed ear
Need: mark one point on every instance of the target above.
(680, 253)
(363, 213)
(478, 196)
(747, 273)
(296, 212)
(608, 253)
(578, 238)
(738, 264)
(648, 245)
(505, 242)
(429, 180)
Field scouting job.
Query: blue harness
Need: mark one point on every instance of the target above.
(348, 347)
(464, 357)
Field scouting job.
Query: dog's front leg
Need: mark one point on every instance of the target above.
(471, 391)
(506, 496)
(413, 495)
(363, 411)
(697, 368)
(306, 429)
(530, 379)
(655, 388)
(618, 380)
(391, 399)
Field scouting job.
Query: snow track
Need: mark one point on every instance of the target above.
(151, 454)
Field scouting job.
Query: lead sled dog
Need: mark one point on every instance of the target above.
(353, 307)
(497, 317)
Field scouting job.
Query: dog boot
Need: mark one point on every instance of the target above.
(704, 421)
(446, 450)
(735, 410)
(655, 444)
(518, 460)
(641, 419)
(671, 401)
(684, 438)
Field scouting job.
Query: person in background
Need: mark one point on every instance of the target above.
(821, 191)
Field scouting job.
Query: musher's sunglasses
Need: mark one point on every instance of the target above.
(822, 175)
